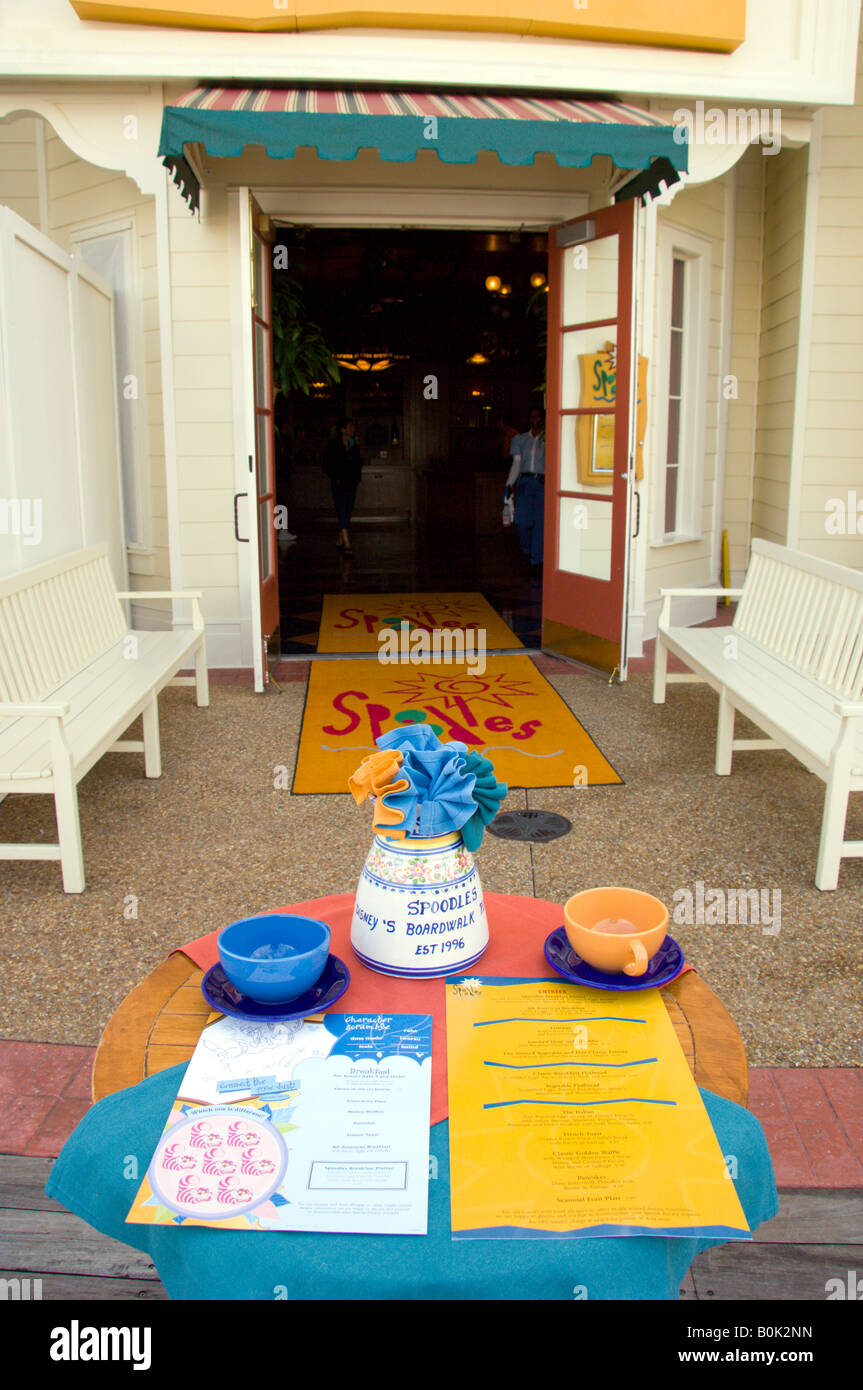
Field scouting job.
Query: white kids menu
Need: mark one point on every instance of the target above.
(299, 1126)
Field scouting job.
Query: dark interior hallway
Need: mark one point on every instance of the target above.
(390, 559)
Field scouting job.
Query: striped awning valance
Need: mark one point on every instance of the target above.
(341, 102)
(456, 125)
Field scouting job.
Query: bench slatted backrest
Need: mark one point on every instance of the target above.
(53, 619)
(809, 612)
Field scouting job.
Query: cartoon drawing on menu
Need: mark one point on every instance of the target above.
(241, 1166)
(263, 1054)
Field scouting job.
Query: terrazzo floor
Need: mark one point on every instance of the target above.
(215, 839)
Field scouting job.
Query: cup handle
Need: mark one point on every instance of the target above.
(639, 964)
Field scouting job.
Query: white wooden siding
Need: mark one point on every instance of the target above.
(784, 208)
(19, 181)
(833, 451)
(201, 327)
(746, 294)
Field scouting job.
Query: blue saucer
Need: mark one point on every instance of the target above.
(221, 995)
(665, 966)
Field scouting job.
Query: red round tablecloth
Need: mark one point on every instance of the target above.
(517, 931)
(518, 928)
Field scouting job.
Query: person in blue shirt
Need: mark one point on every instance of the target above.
(527, 476)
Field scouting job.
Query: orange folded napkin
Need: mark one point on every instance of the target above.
(376, 776)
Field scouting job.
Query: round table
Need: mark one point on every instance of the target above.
(158, 1025)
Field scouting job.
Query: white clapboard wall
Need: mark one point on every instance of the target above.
(60, 479)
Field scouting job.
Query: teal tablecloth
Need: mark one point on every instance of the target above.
(94, 1178)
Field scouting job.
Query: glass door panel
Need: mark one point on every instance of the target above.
(266, 542)
(584, 537)
(262, 275)
(263, 386)
(587, 429)
(590, 287)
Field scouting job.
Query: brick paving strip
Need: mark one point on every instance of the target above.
(45, 1091)
(812, 1116)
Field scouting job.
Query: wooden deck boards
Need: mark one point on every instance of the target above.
(817, 1236)
(40, 1240)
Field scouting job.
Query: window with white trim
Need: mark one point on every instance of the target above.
(683, 320)
(109, 249)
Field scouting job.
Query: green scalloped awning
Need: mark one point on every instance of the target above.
(456, 125)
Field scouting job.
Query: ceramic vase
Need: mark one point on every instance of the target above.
(419, 910)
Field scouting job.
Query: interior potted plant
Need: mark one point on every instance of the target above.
(301, 354)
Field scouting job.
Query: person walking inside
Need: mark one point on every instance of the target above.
(527, 476)
(343, 466)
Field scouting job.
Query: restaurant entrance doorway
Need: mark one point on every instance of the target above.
(439, 343)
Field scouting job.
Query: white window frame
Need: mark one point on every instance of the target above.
(677, 243)
(89, 231)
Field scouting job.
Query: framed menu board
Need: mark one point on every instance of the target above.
(594, 433)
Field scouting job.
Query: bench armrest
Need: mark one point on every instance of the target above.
(700, 593)
(15, 709)
(161, 593)
(848, 709)
(668, 594)
(194, 594)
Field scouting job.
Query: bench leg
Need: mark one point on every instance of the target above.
(152, 749)
(68, 831)
(202, 683)
(832, 830)
(660, 667)
(724, 736)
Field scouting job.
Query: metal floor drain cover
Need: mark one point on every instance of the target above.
(536, 826)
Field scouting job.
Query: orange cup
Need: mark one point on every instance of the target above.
(616, 951)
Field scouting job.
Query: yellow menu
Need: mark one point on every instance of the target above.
(573, 1112)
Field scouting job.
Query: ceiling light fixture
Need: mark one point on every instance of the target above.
(369, 361)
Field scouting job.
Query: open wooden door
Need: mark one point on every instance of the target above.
(260, 514)
(588, 444)
(265, 436)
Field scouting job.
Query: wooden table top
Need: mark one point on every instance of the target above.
(159, 1023)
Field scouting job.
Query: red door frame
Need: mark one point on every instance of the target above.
(265, 469)
(589, 606)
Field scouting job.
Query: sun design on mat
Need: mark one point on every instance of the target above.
(497, 689)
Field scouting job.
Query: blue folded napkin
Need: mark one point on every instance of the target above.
(488, 793)
(439, 797)
(445, 791)
(410, 736)
(95, 1178)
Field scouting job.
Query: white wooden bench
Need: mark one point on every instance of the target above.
(73, 677)
(792, 662)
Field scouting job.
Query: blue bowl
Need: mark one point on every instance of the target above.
(274, 958)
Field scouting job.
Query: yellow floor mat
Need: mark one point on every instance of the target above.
(351, 622)
(510, 713)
